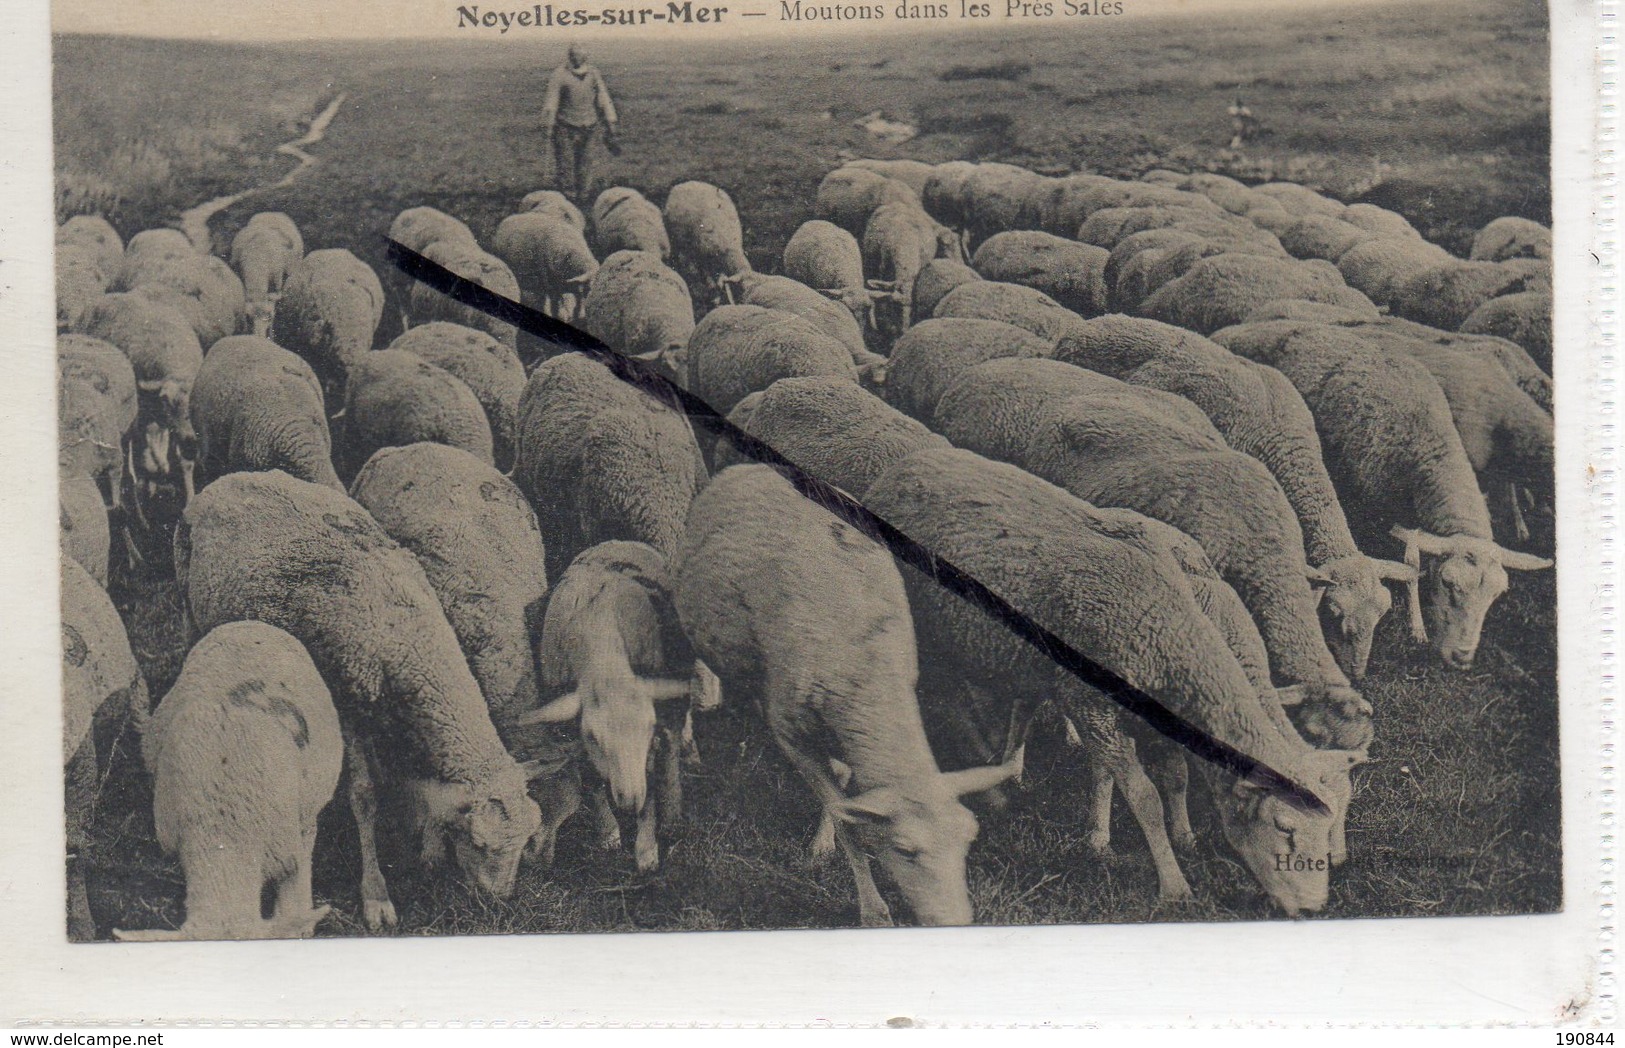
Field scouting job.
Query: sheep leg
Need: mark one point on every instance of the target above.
(1413, 595)
(646, 848)
(669, 775)
(1114, 751)
(1074, 741)
(609, 828)
(872, 909)
(1520, 527)
(688, 749)
(823, 842)
(559, 797)
(377, 911)
(1098, 837)
(1173, 778)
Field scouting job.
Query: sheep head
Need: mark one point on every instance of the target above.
(1353, 599)
(1452, 596)
(488, 825)
(1330, 716)
(617, 715)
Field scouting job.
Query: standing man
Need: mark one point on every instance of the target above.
(577, 101)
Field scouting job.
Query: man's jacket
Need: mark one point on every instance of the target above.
(577, 97)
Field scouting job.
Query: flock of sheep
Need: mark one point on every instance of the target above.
(1173, 421)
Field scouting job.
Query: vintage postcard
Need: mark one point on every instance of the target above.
(769, 465)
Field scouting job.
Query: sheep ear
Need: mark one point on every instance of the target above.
(1393, 570)
(555, 712)
(874, 808)
(149, 385)
(889, 286)
(1423, 541)
(1292, 694)
(1522, 561)
(655, 689)
(1317, 577)
(975, 780)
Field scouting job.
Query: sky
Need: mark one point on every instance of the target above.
(270, 20)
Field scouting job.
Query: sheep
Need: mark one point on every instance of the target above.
(329, 313)
(416, 229)
(789, 603)
(96, 234)
(943, 197)
(1262, 415)
(96, 410)
(1397, 461)
(622, 220)
(1378, 268)
(306, 559)
(738, 350)
(1118, 445)
(790, 296)
(477, 538)
(80, 281)
(555, 204)
(831, 429)
(84, 532)
(1444, 296)
(849, 196)
(1039, 549)
(1317, 236)
(600, 459)
(1524, 317)
(1222, 290)
(998, 197)
(1144, 262)
(1071, 203)
(1016, 304)
(932, 355)
(550, 259)
(201, 287)
(1109, 226)
(1300, 200)
(165, 356)
(102, 690)
(611, 643)
(1510, 237)
(245, 752)
(1223, 190)
(263, 252)
(489, 369)
(828, 259)
(938, 277)
(1379, 220)
(1071, 273)
(149, 248)
(706, 236)
(898, 241)
(397, 398)
(480, 267)
(639, 306)
(915, 173)
(257, 406)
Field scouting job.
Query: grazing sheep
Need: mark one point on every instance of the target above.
(1144, 262)
(1444, 296)
(1133, 613)
(488, 271)
(916, 173)
(245, 752)
(488, 368)
(706, 237)
(943, 196)
(1118, 445)
(1223, 190)
(80, 281)
(415, 229)
(102, 689)
(622, 220)
(932, 355)
(329, 313)
(1072, 203)
(831, 429)
(1393, 452)
(639, 306)
(1262, 415)
(1509, 237)
(1222, 290)
(151, 247)
(97, 235)
(164, 353)
(1300, 200)
(1016, 304)
(1109, 226)
(96, 410)
(1071, 273)
(264, 252)
(1524, 317)
(611, 643)
(1379, 220)
(550, 259)
(898, 241)
(1378, 268)
(480, 547)
(1317, 236)
(396, 398)
(828, 259)
(790, 604)
(257, 406)
(999, 197)
(738, 350)
(790, 296)
(935, 280)
(306, 559)
(600, 459)
(1507, 355)
(84, 533)
(556, 205)
(201, 287)
(849, 196)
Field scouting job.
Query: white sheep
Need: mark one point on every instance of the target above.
(706, 237)
(257, 406)
(263, 252)
(1524, 317)
(829, 260)
(81, 278)
(739, 350)
(1071, 273)
(83, 532)
(792, 296)
(489, 369)
(416, 229)
(916, 173)
(639, 306)
(623, 220)
(1379, 267)
(98, 235)
(1510, 237)
(787, 602)
(849, 197)
(932, 355)
(1016, 304)
(245, 752)
(395, 398)
(935, 280)
(550, 258)
(329, 313)
(552, 202)
(477, 266)
(898, 240)
(96, 410)
(149, 248)
(202, 288)
(1222, 290)
(1445, 295)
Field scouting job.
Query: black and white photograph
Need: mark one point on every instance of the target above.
(776, 464)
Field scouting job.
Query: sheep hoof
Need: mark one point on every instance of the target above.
(1098, 844)
(648, 858)
(877, 917)
(1175, 895)
(1184, 842)
(610, 840)
(378, 914)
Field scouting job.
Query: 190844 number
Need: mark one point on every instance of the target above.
(1565, 1039)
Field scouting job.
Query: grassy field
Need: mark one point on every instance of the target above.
(1459, 811)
